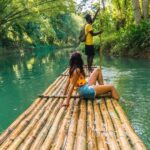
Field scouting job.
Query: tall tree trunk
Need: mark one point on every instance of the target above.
(103, 3)
(136, 11)
(145, 4)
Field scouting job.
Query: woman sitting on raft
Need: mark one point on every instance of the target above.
(88, 90)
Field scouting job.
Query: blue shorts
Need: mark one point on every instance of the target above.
(87, 91)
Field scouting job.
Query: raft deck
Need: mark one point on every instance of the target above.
(85, 125)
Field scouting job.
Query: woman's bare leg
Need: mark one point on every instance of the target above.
(96, 76)
(101, 89)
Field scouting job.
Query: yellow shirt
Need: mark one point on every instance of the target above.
(89, 37)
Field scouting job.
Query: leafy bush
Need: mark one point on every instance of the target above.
(109, 41)
(41, 22)
(132, 39)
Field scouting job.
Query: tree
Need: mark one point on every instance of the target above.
(29, 20)
(145, 5)
(136, 11)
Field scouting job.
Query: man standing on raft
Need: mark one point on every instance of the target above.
(89, 47)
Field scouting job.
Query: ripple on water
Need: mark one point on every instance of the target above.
(26, 77)
(132, 82)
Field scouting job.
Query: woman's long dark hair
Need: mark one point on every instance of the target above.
(76, 62)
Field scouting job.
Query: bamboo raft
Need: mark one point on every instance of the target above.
(85, 125)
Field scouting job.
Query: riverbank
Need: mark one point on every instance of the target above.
(131, 41)
(140, 54)
(143, 54)
(107, 51)
(25, 50)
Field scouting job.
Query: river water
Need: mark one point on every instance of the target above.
(24, 77)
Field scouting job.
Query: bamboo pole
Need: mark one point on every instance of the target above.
(59, 78)
(20, 128)
(54, 133)
(25, 122)
(136, 141)
(100, 129)
(7, 132)
(34, 146)
(91, 138)
(59, 140)
(25, 132)
(72, 129)
(122, 137)
(49, 139)
(28, 141)
(44, 112)
(101, 139)
(34, 132)
(42, 135)
(110, 132)
(73, 96)
(80, 143)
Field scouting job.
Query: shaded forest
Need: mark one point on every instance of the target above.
(29, 23)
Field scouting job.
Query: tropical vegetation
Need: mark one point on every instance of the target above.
(29, 23)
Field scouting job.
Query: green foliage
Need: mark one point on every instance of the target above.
(108, 41)
(53, 22)
(133, 39)
(37, 22)
(120, 35)
(66, 27)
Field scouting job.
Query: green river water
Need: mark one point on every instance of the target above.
(23, 77)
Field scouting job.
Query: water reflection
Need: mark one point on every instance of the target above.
(131, 78)
(24, 77)
(16, 70)
(30, 63)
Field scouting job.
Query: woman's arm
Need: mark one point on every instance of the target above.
(74, 81)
